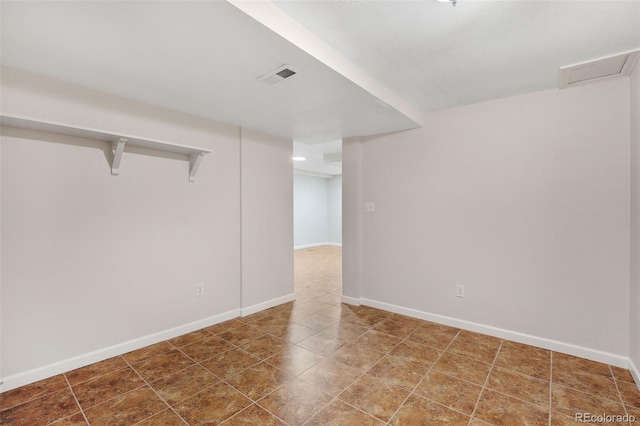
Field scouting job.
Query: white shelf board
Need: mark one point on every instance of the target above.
(118, 140)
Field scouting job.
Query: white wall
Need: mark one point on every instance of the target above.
(352, 212)
(524, 200)
(267, 218)
(94, 262)
(310, 221)
(634, 296)
(334, 209)
(317, 207)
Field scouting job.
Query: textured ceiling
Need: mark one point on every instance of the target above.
(437, 56)
(366, 67)
(315, 161)
(202, 58)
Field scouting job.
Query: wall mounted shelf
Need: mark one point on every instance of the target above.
(118, 140)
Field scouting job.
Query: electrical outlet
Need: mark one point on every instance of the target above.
(459, 290)
(200, 289)
(370, 207)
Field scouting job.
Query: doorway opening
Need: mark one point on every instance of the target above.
(317, 217)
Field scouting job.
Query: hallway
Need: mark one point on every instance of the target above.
(318, 273)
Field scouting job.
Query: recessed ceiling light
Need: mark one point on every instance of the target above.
(453, 2)
(299, 158)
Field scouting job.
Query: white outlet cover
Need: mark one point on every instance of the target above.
(370, 207)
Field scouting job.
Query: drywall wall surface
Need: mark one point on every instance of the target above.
(334, 209)
(1, 351)
(352, 220)
(523, 200)
(634, 294)
(310, 213)
(92, 260)
(267, 218)
(317, 210)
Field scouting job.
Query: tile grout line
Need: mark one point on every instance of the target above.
(365, 371)
(550, 385)
(97, 375)
(224, 380)
(594, 395)
(269, 411)
(76, 399)
(426, 374)
(157, 394)
(257, 405)
(253, 402)
(493, 390)
(113, 397)
(33, 398)
(256, 402)
(335, 398)
(355, 408)
(486, 380)
(196, 363)
(128, 365)
(615, 381)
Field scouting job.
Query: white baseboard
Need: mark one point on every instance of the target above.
(304, 246)
(268, 304)
(40, 373)
(541, 342)
(635, 372)
(356, 301)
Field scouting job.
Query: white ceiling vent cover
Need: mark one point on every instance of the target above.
(613, 66)
(278, 75)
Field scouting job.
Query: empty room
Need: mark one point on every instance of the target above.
(320, 212)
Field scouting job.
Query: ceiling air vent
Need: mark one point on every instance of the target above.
(277, 75)
(613, 66)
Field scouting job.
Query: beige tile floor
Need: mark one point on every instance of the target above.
(320, 362)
